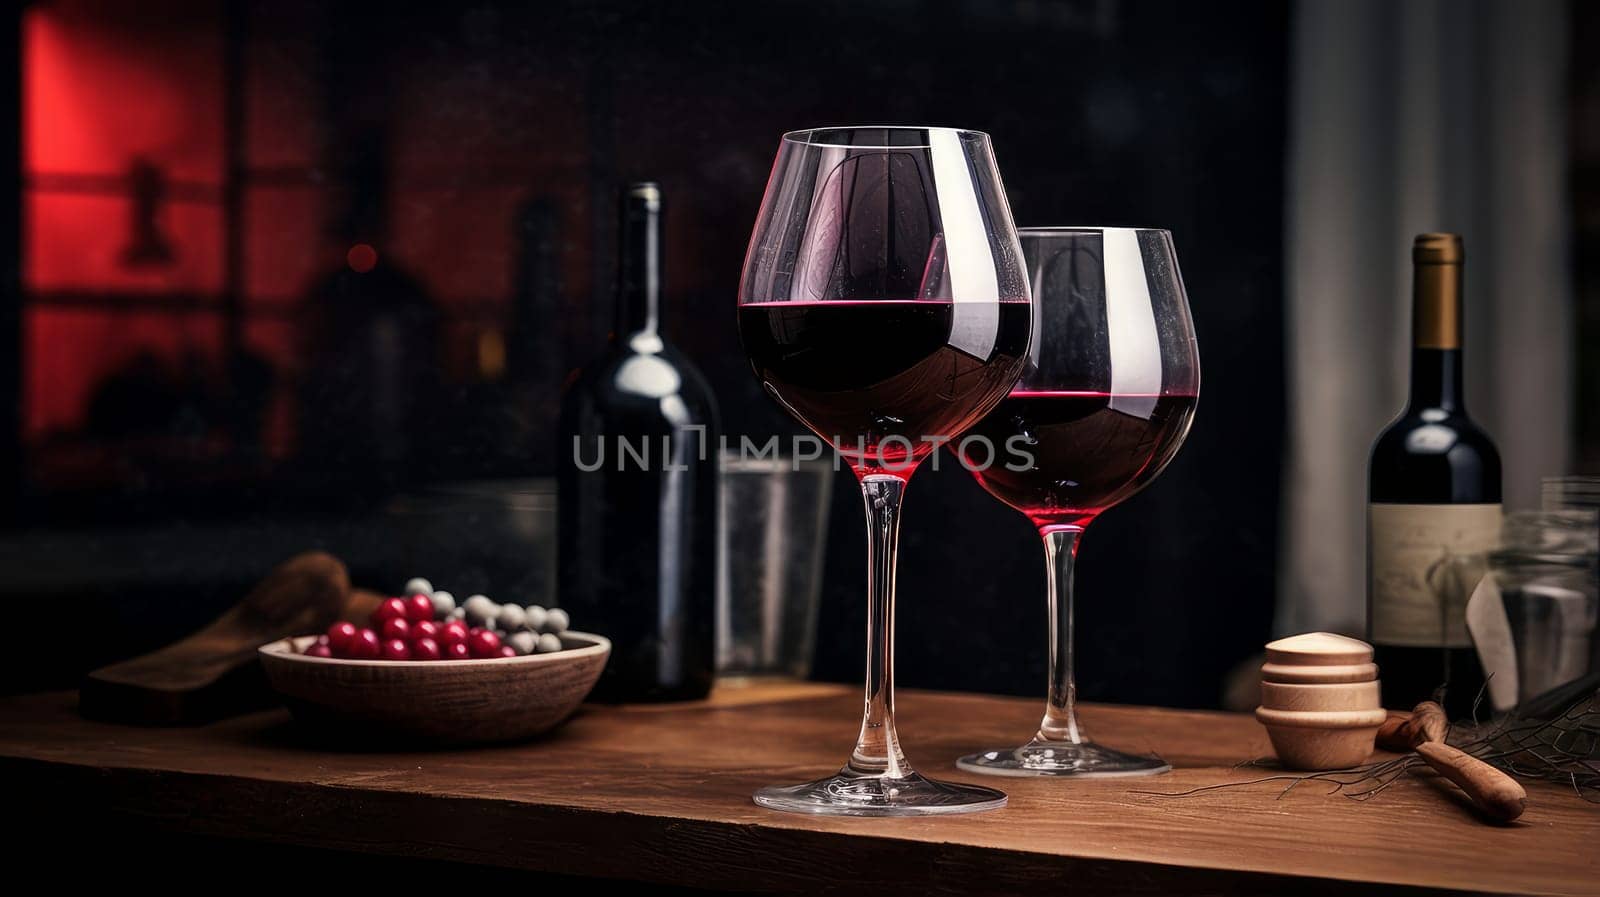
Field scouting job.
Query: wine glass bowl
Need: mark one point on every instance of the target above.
(883, 297)
(1112, 377)
(1102, 405)
(883, 303)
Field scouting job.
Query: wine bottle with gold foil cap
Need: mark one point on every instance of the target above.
(1433, 504)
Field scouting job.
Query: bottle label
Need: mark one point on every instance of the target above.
(1423, 562)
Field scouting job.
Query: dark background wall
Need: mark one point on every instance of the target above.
(477, 149)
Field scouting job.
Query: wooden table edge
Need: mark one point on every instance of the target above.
(562, 839)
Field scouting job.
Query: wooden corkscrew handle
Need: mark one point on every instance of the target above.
(1403, 732)
(1498, 795)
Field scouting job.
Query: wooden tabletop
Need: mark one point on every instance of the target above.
(662, 794)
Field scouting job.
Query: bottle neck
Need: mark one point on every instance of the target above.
(639, 267)
(1436, 380)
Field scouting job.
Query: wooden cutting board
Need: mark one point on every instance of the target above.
(214, 673)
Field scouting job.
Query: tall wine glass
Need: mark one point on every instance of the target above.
(1103, 404)
(884, 305)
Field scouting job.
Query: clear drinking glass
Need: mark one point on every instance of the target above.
(772, 533)
(884, 305)
(1103, 404)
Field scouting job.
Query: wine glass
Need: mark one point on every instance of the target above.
(883, 304)
(1102, 405)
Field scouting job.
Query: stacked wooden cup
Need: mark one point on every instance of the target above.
(1319, 700)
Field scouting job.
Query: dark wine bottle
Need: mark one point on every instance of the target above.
(1434, 505)
(637, 461)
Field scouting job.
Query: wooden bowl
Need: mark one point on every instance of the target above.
(1327, 739)
(438, 702)
(1331, 696)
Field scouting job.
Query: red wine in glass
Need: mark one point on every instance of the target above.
(1083, 451)
(862, 373)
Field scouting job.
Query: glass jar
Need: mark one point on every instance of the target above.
(1546, 573)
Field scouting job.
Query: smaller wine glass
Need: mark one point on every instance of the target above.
(1104, 401)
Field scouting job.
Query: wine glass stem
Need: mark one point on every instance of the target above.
(1060, 722)
(877, 750)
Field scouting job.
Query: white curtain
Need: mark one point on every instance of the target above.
(1421, 115)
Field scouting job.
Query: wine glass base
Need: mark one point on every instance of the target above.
(1084, 760)
(854, 795)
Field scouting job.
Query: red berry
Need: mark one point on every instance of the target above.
(457, 651)
(342, 639)
(426, 649)
(395, 649)
(425, 629)
(388, 610)
(319, 651)
(419, 607)
(483, 643)
(367, 645)
(507, 651)
(453, 633)
(396, 627)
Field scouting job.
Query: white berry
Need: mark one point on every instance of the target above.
(549, 643)
(511, 618)
(444, 604)
(536, 617)
(524, 642)
(416, 585)
(481, 611)
(556, 621)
